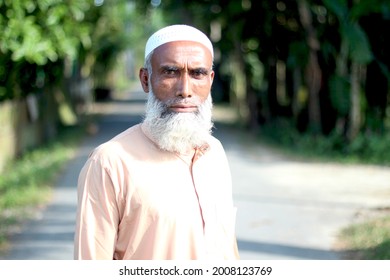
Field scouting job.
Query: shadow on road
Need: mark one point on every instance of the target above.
(284, 252)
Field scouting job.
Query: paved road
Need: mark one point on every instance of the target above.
(287, 209)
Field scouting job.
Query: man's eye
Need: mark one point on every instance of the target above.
(170, 71)
(199, 73)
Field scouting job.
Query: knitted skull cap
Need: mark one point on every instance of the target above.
(174, 33)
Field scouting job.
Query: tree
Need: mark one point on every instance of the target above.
(304, 59)
(37, 33)
(49, 48)
(354, 47)
(313, 71)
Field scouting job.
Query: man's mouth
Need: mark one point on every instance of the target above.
(183, 108)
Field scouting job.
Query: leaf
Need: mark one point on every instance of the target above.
(365, 7)
(338, 7)
(298, 54)
(339, 94)
(359, 45)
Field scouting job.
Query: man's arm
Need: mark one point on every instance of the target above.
(97, 214)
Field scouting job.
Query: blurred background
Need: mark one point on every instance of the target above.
(308, 76)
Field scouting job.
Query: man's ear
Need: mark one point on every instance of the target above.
(144, 79)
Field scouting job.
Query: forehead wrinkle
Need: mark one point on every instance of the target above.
(183, 50)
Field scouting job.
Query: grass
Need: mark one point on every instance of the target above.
(26, 183)
(369, 240)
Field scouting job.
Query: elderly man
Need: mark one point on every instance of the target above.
(161, 190)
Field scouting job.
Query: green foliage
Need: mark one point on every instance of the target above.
(41, 37)
(338, 7)
(27, 181)
(359, 46)
(340, 94)
(38, 36)
(298, 54)
(43, 30)
(371, 147)
(256, 70)
(117, 27)
(35, 38)
(22, 181)
(357, 10)
(367, 7)
(369, 240)
(366, 148)
(350, 30)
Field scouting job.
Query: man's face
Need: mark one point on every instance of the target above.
(178, 111)
(182, 72)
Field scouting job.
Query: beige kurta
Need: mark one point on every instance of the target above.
(136, 201)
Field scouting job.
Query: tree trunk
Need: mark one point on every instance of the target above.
(313, 70)
(355, 111)
(238, 87)
(272, 100)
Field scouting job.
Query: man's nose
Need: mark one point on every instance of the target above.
(184, 86)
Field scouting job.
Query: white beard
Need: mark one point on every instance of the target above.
(178, 132)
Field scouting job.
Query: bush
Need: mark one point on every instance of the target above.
(366, 148)
(26, 183)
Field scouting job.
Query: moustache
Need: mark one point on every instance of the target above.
(181, 101)
(169, 106)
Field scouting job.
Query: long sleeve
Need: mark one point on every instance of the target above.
(97, 215)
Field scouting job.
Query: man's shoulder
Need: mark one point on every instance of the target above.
(130, 133)
(215, 145)
(214, 141)
(118, 143)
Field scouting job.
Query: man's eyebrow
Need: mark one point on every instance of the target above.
(169, 67)
(201, 69)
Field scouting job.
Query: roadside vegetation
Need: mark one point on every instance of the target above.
(368, 239)
(25, 184)
(367, 148)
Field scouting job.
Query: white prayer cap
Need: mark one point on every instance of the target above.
(177, 32)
